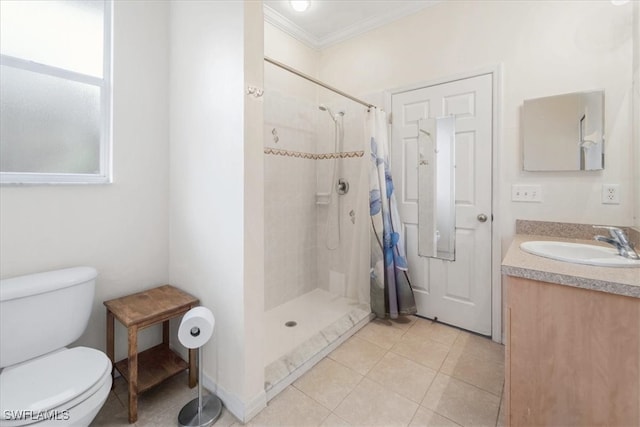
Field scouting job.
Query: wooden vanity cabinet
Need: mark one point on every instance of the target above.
(572, 356)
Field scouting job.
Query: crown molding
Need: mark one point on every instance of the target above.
(283, 24)
(289, 27)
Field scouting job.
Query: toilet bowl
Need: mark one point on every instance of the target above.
(42, 381)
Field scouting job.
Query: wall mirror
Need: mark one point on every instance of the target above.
(436, 188)
(564, 132)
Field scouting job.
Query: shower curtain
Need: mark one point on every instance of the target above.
(391, 293)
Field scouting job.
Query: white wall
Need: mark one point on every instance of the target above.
(216, 209)
(284, 48)
(636, 108)
(254, 222)
(545, 48)
(122, 228)
(214, 226)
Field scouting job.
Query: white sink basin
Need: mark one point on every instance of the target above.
(578, 253)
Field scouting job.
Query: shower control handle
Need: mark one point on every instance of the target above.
(342, 187)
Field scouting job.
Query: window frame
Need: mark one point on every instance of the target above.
(105, 174)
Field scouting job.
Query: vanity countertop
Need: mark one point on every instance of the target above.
(518, 263)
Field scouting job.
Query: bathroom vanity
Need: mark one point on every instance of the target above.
(572, 341)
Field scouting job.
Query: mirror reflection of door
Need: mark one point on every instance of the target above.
(436, 187)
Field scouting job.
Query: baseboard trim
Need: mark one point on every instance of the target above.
(243, 411)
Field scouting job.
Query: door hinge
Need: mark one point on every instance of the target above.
(390, 118)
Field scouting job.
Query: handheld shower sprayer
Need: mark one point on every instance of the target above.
(339, 186)
(323, 107)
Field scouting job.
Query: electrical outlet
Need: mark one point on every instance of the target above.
(526, 193)
(610, 194)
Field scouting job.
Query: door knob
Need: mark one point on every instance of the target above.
(482, 218)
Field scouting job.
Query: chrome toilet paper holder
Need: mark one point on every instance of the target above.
(198, 412)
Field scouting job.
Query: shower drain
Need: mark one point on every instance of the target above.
(290, 324)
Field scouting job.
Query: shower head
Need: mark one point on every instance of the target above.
(323, 107)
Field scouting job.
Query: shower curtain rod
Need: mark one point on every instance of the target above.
(318, 82)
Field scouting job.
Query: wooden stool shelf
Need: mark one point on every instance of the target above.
(149, 368)
(154, 366)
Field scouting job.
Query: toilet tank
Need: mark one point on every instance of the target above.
(43, 312)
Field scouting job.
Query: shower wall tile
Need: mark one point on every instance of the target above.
(290, 123)
(290, 210)
(354, 119)
(338, 260)
(296, 255)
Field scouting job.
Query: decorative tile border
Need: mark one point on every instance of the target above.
(288, 153)
(312, 156)
(341, 155)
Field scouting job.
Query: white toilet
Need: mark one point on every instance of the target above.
(42, 381)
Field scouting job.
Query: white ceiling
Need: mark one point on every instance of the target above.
(327, 22)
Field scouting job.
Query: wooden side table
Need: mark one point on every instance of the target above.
(149, 368)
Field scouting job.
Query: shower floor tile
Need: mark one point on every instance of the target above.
(312, 312)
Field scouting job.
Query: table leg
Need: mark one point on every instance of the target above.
(192, 367)
(165, 333)
(110, 343)
(133, 374)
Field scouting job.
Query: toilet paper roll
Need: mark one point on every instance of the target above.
(196, 327)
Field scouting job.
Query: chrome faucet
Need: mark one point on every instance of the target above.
(619, 240)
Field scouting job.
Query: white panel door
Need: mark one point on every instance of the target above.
(455, 292)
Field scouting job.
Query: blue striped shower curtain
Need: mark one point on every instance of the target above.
(391, 293)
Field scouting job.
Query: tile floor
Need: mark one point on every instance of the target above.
(411, 372)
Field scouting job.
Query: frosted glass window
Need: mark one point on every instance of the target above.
(64, 34)
(49, 125)
(55, 91)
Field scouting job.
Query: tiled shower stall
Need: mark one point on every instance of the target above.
(316, 281)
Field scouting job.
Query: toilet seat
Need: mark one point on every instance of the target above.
(51, 385)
